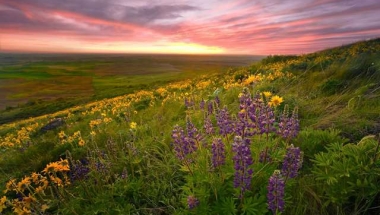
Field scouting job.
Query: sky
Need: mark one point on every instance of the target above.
(254, 27)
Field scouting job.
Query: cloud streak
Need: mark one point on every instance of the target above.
(229, 26)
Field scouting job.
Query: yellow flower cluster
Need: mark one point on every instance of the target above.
(230, 83)
(32, 188)
(95, 123)
(182, 85)
(273, 100)
(133, 125)
(253, 79)
(278, 75)
(75, 138)
(162, 91)
(19, 137)
(104, 112)
(203, 84)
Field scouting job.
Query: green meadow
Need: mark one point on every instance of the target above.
(185, 135)
(31, 85)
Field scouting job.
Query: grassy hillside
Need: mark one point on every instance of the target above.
(287, 135)
(35, 84)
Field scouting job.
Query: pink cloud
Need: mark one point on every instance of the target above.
(237, 26)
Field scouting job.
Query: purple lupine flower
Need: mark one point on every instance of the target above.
(178, 137)
(254, 110)
(276, 192)
(217, 101)
(218, 153)
(266, 120)
(202, 104)
(102, 166)
(208, 126)
(79, 170)
(244, 126)
(183, 145)
(288, 127)
(210, 108)
(189, 103)
(245, 99)
(292, 162)
(192, 202)
(224, 121)
(242, 162)
(192, 132)
(295, 124)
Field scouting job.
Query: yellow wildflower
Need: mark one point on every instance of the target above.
(3, 200)
(35, 177)
(28, 200)
(44, 207)
(251, 79)
(275, 101)
(21, 210)
(23, 184)
(203, 84)
(11, 184)
(76, 134)
(107, 120)
(81, 142)
(44, 182)
(133, 125)
(162, 91)
(56, 180)
(39, 189)
(59, 166)
(267, 94)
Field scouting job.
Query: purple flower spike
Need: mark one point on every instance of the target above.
(292, 162)
(202, 105)
(189, 103)
(79, 170)
(193, 136)
(245, 127)
(183, 145)
(289, 127)
(208, 126)
(276, 192)
(210, 108)
(225, 123)
(242, 162)
(218, 153)
(266, 120)
(217, 101)
(192, 202)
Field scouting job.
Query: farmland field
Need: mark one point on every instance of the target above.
(45, 80)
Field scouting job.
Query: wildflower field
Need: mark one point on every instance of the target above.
(286, 135)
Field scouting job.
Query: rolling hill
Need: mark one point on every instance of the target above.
(286, 135)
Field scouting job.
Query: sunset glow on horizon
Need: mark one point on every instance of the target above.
(258, 27)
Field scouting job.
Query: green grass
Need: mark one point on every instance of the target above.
(137, 171)
(49, 83)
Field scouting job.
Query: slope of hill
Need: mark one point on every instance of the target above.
(289, 135)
